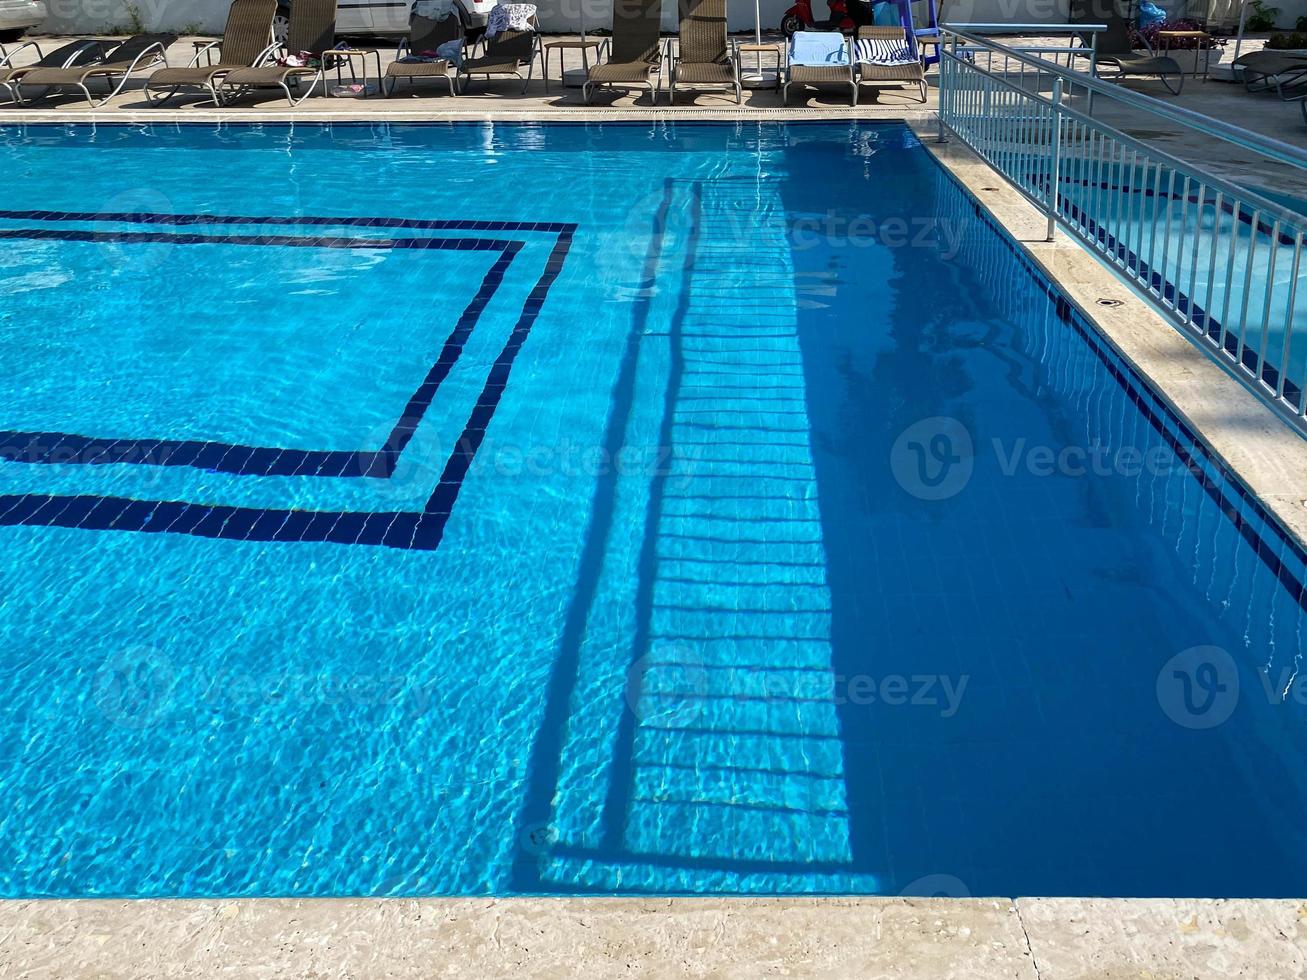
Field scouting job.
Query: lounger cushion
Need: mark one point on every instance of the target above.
(891, 73)
(187, 76)
(820, 74)
(706, 74)
(492, 66)
(417, 69)
(884, 51)
(1142, 64)
(70, 76)
(631, 71)
(268, 75)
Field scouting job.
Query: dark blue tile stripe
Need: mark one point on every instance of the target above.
(290, 241)
(71, 449)
(154, 218)
(475, 430)
(407, 530)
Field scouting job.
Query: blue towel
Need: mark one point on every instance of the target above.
(818, 48)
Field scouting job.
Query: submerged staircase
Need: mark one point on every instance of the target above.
(728, 762)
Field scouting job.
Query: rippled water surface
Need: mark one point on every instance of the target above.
(490, 509)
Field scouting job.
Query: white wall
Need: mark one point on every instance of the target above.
(101, 16)
(95, 16)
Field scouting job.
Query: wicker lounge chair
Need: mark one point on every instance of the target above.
(700, 54)
(83, 52)
(635, 52)
(903, 66)
(312, 30)
(1116, 49)
(116, 65)
(246, 42)
(505, 54)
(424, 34)
(841, 74)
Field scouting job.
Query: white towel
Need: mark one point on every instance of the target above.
(510, 17)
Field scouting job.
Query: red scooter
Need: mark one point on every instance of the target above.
(845, 15)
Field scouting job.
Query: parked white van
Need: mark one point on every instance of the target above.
(383, 17)
(16, 16)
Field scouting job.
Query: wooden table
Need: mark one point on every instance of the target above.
(774, 48)
(1166, 37)
(577, 44)
(349, 56)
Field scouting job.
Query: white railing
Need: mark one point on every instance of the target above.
(1221, 260)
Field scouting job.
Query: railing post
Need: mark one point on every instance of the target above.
(946, 80)
(1055, 163)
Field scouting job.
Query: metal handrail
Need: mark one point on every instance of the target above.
(1210, 254)
(1265, 145)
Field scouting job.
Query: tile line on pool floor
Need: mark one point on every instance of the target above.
(404, 529)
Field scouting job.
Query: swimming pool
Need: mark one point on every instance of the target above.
(500, 509)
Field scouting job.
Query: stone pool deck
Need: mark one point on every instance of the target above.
(921, 939)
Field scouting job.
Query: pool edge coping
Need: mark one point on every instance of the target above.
(1242, 433)
(1025, 938)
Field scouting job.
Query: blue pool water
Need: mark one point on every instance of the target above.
(507, 509)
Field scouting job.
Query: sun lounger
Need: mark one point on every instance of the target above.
(820, 58)
(246, 42)
(115, 66)
(424, 35)
(82, 52)
(634, 54)
(1116, 48)
(700, 54)
(888, 54)
(507, 52)
(312, 32)
(1264, 70)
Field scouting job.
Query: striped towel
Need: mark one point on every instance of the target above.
(883, 51)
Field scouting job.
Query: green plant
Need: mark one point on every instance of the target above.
(134, 13)
(1300, 24)
(1262, 17)
(1288, 42)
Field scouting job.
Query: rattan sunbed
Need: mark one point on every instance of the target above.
(116, 67)
(817, 75)
(635, 51)
(312, 31)
(424, 34)
(700, 54)
(1116, 48)
(505, 54)
(246, 42)
(82, 52)
(905, 71)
